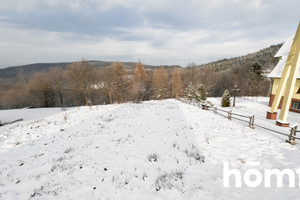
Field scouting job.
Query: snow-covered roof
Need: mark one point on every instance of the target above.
(286, 47)
(283, 53)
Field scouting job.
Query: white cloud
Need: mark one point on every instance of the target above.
(21, 46)
(256, 4)
(158, 32)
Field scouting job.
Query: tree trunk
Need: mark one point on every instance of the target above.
(85, 97)
(61, 99)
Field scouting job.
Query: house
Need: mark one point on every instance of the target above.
(276, 74)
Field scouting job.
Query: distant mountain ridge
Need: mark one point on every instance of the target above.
(264, 57)
(10, 74)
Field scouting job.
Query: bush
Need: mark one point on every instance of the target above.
(225, 99)
(189, 92)
(201, 93)
(192, 93)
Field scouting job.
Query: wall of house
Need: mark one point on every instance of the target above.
(276, 84)
(295, 97)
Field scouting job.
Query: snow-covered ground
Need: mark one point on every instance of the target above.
(258, 106)
(28, 113)
(153, 150)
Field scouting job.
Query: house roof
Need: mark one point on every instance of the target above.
(283, 53)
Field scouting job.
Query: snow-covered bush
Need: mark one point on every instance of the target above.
(169, 181)
(195, 154)
(225, 102)
(152, 158)
(197, 94)
(189, 92)
(200, 93)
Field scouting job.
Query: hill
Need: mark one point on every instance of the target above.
(152, 150)
(264, 58)
(9, 75)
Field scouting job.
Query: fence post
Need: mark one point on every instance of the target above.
(215, 109)
(291, 139)
(229, 114)
(251, 121)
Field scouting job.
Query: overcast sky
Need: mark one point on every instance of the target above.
(155, 31)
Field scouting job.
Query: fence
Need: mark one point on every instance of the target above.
(292, 135)
(230, 115)
(244, 118)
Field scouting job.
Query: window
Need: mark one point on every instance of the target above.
(296, 105)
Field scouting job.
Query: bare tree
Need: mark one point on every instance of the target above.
(41, 90)
(115, 82)
(155, 84)
(57, 78)
(21, 77)
(176, 83)
(139, 85)
(160, 83)
(81, 75)
(120, 80)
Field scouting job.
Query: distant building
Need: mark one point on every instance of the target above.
(276, 74)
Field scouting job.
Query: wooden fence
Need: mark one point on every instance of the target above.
(244, 118)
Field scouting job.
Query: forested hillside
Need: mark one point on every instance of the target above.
(264, 58)
(98, 82)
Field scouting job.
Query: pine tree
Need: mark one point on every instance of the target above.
(176, 84)
(190, 92)
(225, 99)
(201, 93)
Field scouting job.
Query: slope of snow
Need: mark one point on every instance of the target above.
(153, 150)
(259, 107)
(28, 113)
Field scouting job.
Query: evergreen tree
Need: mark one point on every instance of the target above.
(190, 92)
(225, 99)
(201, 93)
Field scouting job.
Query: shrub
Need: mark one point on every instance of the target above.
(201, 93)
(225, 99)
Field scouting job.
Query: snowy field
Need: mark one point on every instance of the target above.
(152, 150)
(28, 113)
(258, 106)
